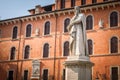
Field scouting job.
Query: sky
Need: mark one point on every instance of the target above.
(16, 8)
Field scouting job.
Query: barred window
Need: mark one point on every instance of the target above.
(25, 75)
(72, 3)
(114, 45)
(12, 53)
(66, 49)
(83, 2)
(15, 31)
(94, 1)
(45, 74)
(114, 73)
(62, 4)
(28, 30)
(66, 23)
(90, 46)
(63, 75)
(27, 52)
(89, 22)
(46, 50)
(10, 75)
(47, 28)
(114, 19)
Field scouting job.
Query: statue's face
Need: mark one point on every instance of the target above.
(77, 10)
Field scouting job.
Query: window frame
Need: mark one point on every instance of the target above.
(29, 52)
(48, 50)
(26, 31)
(64, 25)
(109, 18)
(92, 47)
(82, 2)
(45, 28)
(8, 74)
(62, 6)
(94, 1)
(64, 49)
(111, 71)
(14, 54)
(43, 72)
(73, 3)
(92, 22)
(13, 32)
(110, 45)
(27, 75)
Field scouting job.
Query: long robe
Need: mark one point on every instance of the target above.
(78, 41)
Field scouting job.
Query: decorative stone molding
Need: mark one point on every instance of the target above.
(59, 12)
(35, 69)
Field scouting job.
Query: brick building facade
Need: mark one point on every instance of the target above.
(43, 35)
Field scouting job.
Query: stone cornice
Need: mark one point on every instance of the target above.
(68, 11)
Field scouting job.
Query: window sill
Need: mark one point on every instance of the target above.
(48, 35)
(115, 27)
(28, 37)
(90, 31)
(15, 39)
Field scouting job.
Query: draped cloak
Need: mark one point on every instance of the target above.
(78, 39)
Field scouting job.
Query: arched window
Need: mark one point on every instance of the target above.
(46, 50)
(89, 22)
(47, 28)
(72, 3)
(62, 4)
(28, 30)
(27, 52)
(66, 49)
(66, 23)
(90, 47)
(15, 31)
(12, 53)
(114, 45)
(114, 19)
(83, 2)
(94, 1)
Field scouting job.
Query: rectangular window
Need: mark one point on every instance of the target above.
(114, 73)
(10, 75)
(25, 75)
(83, 2)
(45, 74)
(63, 77)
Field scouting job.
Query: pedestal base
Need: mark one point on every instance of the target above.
(78, 68)
(34, 78)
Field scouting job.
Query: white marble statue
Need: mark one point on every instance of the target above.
(101, 23)
(77, 30)
(37, 32)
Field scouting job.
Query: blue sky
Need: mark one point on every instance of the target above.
(17, 8)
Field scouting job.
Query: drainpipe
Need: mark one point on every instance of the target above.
(55, 46)
(19, 48)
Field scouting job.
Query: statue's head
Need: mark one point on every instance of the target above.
(77, 10)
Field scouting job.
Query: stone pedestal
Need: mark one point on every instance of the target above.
(78, 68)
(35, 70)
(35, 78)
